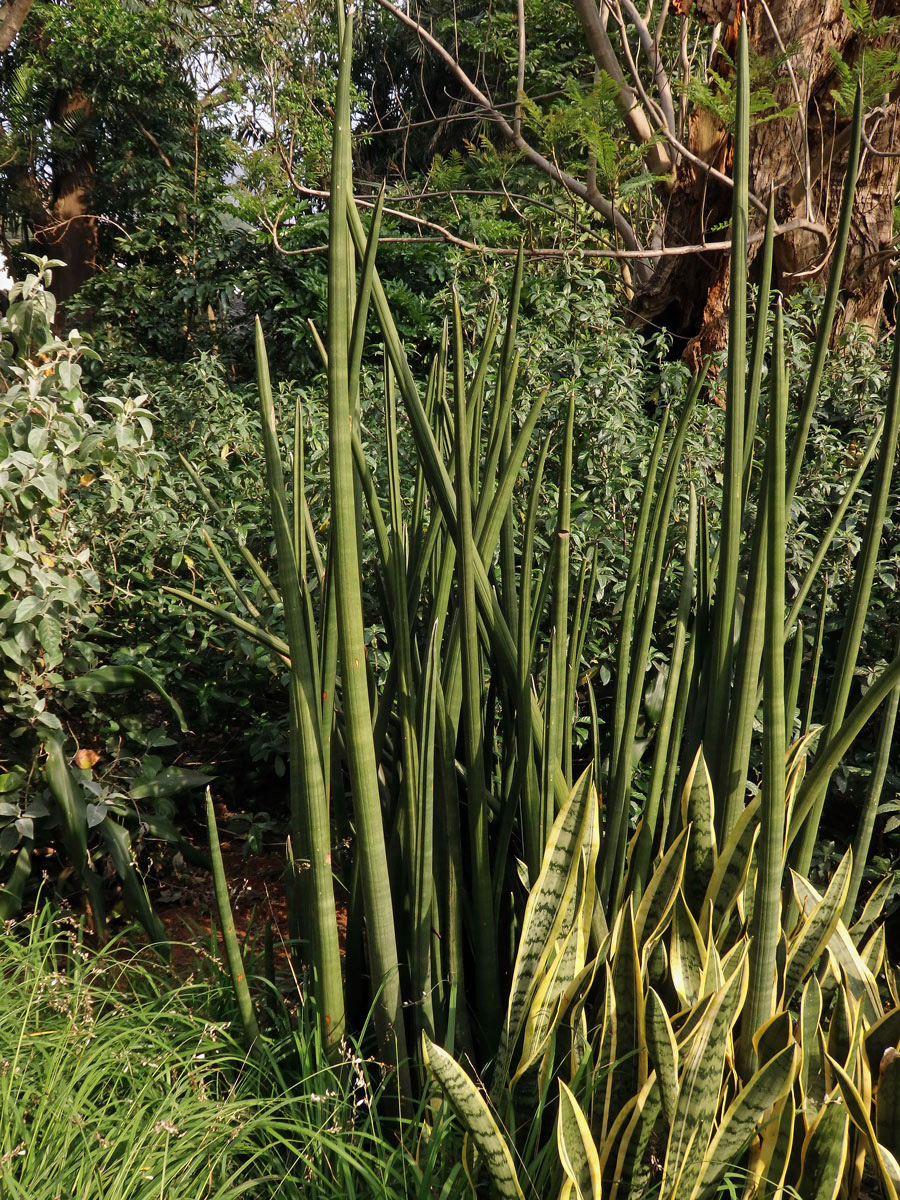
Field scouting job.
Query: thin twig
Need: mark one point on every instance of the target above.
(641, 131)
(874, 150)
(574, 251)
(801, 108)
(600, 203)
(63, 223)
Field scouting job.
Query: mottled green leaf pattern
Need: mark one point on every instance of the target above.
(733, 864)
(548, 902)
(577, 1151)
(472, 1110)
(824, 1154)
(698, 811)
(659, 895)
(686, 954)
(663, 1052)
(633, 1171)
(698, 1094)
(858, 1111)
(816, 929)
(840, 947)
(740, 1121)
(887, 1104)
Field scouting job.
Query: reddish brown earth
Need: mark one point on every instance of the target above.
(185, 903)
(183, 896)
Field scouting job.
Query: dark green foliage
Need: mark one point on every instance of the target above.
(71, 466)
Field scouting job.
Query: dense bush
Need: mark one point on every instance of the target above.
(75, 468)
(72, 467)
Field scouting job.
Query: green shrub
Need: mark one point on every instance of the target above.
(71, 468)
(69, 464)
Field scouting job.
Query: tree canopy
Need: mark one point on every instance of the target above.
(179, 145)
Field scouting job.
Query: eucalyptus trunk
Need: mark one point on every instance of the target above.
(799, 158)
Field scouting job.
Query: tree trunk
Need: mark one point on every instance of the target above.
(12, 17)
(71, 232)
(800, 156)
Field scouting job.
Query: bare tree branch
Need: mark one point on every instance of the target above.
(651, 49)
(301, 189)
(539, 252)
(520, 71)
(835, 145)
(658, 159)
(649, 104)
(600, 203)
(867, 142)
(801, 108)
(505, 194)
(60, 226)
(155, 144)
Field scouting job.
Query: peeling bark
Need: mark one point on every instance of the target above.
(690, 296)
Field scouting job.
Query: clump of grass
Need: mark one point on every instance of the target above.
(116, 1081)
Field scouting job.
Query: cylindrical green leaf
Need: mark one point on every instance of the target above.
(770, 847)
(233, 957)
(344, 560)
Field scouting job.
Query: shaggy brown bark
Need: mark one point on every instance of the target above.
(70, 233)
(800, 157)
